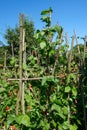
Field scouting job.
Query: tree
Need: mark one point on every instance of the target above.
(2, 54)
(12, 37)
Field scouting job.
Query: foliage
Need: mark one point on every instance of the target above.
(12, 37)
(2, 54)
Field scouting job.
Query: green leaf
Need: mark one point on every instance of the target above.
(42, 44)
(2, 90)
(73, 76)
(52, 52)
(68, 78)
(57, 29)
(48, 79)
(44, 124)
(47, 20)
(73, 127)
(54, 123)
(53, 98)
(65, 110)
(78, 121)
(23, 119)
(74, 91)
(13, 61)
(60, 127)
(42, 33)
(44, 12)
(24, 66)
(44, 18)
(58, 109)
(65, 125)
(11, 118)
(36, 35)
(67, 89)
(51, 78)
(27, 98)
(86, 106)
(44, 81)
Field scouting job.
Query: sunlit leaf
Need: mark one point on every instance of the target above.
(73, 127)
(2, 89)
(74, 91)
(67, 89)
(23, 119)
(44, 12)
(42, 44)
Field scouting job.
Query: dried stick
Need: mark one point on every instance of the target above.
(57, 56)
(77, 43)
(78, 48)
(31, 79)
(67, 43)
(70, 56)
(85, 50)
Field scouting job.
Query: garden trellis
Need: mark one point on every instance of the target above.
(22, 60)
(66, 76)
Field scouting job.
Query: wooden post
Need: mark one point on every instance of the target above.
(24, 62)
(20, 63)
(57, 56)
(12, 48)
(67, 43)
(82, 88)
(69, 69)
(77, 43)
(85, 49)
(5, 65)
(70, 57)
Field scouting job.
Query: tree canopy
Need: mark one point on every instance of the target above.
(12, 37)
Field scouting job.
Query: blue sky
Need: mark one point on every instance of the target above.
(71, 14)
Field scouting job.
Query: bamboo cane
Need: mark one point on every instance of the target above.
(20, 63)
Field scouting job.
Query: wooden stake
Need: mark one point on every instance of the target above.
(24, 62)
(5, 65)
(12, 48)
(82, 88)
(77, 43)
(70, 57)
(57, 56)
(20, 63)
(67, 43)
(85, 49)
(69, 68)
